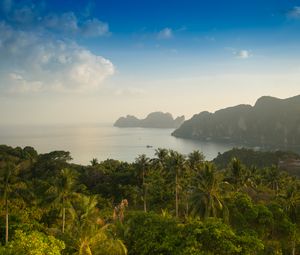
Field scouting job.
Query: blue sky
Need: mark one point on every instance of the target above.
(117, 57)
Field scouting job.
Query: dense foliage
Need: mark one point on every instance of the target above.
(249, 157)
(169, 204)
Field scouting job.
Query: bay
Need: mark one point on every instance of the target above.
(102, 141)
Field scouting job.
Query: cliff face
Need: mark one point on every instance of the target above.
(153, 120)
(128, 121)
(271, 121)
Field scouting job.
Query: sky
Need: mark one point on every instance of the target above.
(93, 61)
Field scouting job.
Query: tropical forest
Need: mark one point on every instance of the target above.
(169, 204)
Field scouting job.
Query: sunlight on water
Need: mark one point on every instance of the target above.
(103, 141)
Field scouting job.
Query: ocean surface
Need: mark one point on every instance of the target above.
(103, 141)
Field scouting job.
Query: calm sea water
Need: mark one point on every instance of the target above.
(103, 141)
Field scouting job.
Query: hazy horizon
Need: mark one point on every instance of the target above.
(94, 61)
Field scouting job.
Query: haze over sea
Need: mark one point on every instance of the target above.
(102, 141)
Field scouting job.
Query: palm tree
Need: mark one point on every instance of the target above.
(206, 196)
(142, 163)
(7, 176)
(102, 241)
(176, 164)
(237, 174)
(90, 233)
(11, 185)
(161, 153)
(195, 158)
(63, 191)
(273, 176)
(162, 157)
(94, 162)
(84, 212)
(291, 203)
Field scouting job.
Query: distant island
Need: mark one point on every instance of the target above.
(270, 122)
(153, 120)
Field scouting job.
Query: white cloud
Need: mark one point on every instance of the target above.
(166, 33)
(68, 23)
(94, 28)
(21, 85)
(29, 14)
(36, 62)
(24, 15)
(294, 12)
(242, 54)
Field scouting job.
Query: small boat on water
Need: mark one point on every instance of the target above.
(149, 146)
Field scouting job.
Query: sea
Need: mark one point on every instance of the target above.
(103, 141)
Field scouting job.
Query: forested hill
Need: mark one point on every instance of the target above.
(171, 204)
(270, 122)
(153, 120)
(288, 161)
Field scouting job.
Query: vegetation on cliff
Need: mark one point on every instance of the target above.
(270, 122)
